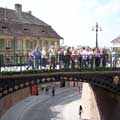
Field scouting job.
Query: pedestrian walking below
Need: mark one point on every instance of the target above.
(80, 110)
(53, 91)
(47, 90)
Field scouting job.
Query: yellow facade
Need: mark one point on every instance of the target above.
(21, 45)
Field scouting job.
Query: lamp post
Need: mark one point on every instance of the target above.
(97, 28)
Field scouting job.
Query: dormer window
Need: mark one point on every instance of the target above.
(26, 29)
(4, 27)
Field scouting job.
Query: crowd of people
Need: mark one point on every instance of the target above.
(71, 57)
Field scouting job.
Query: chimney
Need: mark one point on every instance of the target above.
(29, 12)
(18, 7)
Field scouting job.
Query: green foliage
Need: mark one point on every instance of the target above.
(37, 71)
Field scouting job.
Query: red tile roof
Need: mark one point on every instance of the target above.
(21, 23)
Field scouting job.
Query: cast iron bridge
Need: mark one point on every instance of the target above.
(11, 82)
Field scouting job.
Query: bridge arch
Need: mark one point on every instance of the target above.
(103, 79)
(21, 83)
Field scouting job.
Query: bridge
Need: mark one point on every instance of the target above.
(14, 81)
(11, 82)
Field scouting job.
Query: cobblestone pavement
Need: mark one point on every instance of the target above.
(63, 106)
(51, 109)
(87, 100)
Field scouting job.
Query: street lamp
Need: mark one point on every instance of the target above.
(97, 28)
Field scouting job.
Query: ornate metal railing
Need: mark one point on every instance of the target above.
(21, 63)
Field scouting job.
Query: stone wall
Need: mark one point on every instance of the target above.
(13, 98)
(108, 104)
(88, 102)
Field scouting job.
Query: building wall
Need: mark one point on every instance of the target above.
(22, 45)
(116, 44)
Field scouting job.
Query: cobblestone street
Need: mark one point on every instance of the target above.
(63, 106)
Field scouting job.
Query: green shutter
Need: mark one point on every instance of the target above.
(13, 44)
(2, 43)
(27, 44)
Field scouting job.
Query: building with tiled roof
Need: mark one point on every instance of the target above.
(116, 42)
(21, 31)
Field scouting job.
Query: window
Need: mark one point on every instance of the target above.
(25, 29)
(52, 43)
(8, 44)
(34, 43)
(46, 43)
(40, 44)
(19, 44)
(29, 44)
(13, 44)
(4, 27)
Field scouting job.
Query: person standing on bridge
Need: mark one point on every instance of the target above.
(37, 57)
(30, 60)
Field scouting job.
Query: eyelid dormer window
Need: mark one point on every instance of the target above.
(4, 27)
(26, 29)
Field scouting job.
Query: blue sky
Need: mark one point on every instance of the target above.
(74, 19)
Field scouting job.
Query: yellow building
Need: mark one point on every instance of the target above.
(21, 31)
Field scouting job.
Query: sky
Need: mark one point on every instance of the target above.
(74, 19)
